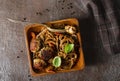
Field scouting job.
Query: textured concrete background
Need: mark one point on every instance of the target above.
(100, 66)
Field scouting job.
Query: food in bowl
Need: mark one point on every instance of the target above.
(54, 51)
(50, 51)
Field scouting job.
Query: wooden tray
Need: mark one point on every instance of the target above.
(37, 29)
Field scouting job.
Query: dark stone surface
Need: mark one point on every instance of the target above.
(100, 66)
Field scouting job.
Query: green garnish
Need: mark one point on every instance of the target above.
(68, 48)
(56, 61)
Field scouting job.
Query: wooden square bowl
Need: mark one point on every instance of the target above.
(37, 29)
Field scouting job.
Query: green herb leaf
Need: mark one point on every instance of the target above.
(68, 48)
(56, 61)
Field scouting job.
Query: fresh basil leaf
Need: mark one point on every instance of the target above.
(56, 61)
(68, 48)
